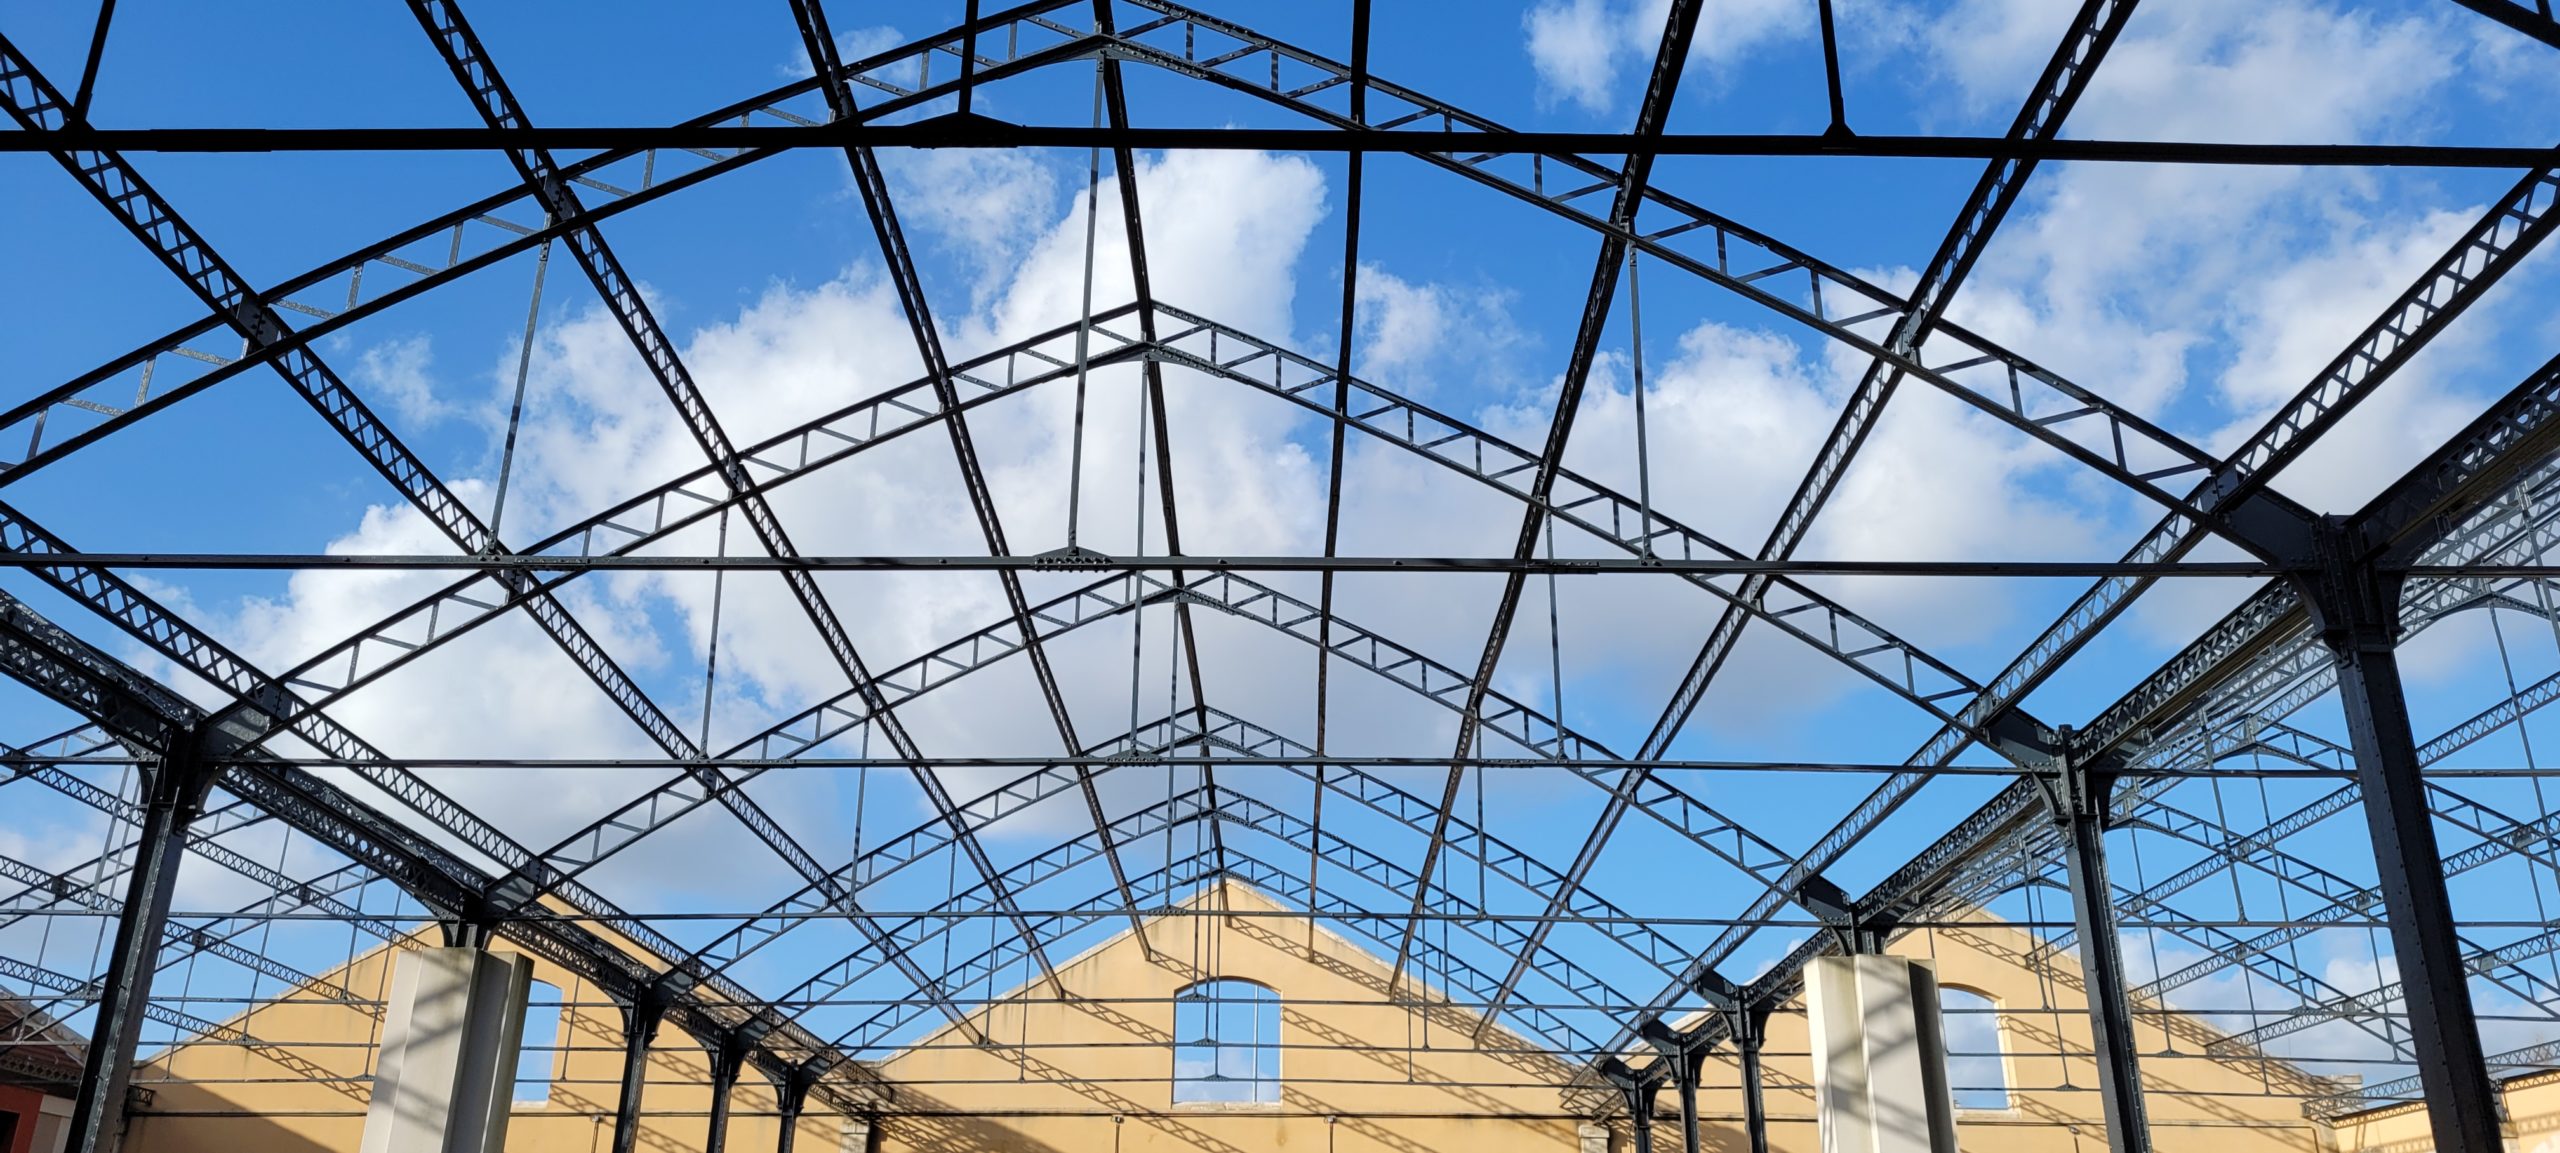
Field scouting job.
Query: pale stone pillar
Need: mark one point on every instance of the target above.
(1879, 1056)
(1595, 1138)
(446, 1077)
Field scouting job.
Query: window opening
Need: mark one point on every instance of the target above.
(1977, 1068)
(1226, 1043)
(539, 1054)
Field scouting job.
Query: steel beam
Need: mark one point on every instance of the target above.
(1833, 301)
(1670, 58)
(2079, 803)
(138, 710)
(177, 792)
(640, 1021)
(1133, 227)
(2357, 610)
(2512, 228)
(477, 73)
(2066, 75)
(2435, 505)
(2531, 17)
(1346, 328)
(149, 379)
(728, 1054)
(820, 44)
(174, 936)
(978, 132)
(35, 105)
(1247, 813)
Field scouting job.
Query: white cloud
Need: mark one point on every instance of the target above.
(1580, 47)
(1734, 411)
(401, 371)
(1574, 45)
(985, 205)
(1417, 336)
(1225, 231)
(851, 46)
(1404, 322)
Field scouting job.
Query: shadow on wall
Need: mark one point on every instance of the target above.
(1136, 1121)
(149, 1133)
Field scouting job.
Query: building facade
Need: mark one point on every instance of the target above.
(1260, 1030)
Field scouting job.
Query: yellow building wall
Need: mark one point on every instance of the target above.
(1093, 1071)
(1399, 1081)
(2533, 1122)
(305, 1090)
(1107, 1056)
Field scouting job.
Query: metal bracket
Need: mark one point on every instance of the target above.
(184, 778)
(1859, 931)
(467, 930)
(2077, 786)
(2354, 604)
(1746, 1018)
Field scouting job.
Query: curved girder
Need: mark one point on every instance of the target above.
(1233, 733)
(1921, 679)
(725, 790)
(1244, 737)
(138, 383)
(1196, 804)
(1198, 868)
(1831, 300)
(1193, 805)
(31, 101)
(1620, 520)
(1247, 599)
(2289, 670)
(410, 633)
(1560, 1034)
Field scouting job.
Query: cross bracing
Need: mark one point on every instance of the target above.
(1551, 944)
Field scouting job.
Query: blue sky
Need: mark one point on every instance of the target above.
(2198, 297)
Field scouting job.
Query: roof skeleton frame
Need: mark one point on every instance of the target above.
(2471, 530)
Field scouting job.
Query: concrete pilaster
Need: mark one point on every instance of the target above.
(1879, 1056)
(446, 1077)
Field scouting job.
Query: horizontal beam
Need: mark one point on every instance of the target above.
(1101, 562)
(1592, 763)
(980, 132)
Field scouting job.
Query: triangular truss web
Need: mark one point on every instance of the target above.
(1128, 736)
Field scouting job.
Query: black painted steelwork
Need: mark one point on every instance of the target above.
(2078, 800)
(177, 785)
(728, 1055)
(1683, 1055)
(640, 1021)
(1639, 1088)
(1745, 1022)
(2468, 530)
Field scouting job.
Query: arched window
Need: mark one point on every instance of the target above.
(1226, 1043)
(540, 1052)
(1977, 1067)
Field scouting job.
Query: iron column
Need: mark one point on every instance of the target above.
(728, 1058)
(2077, 796)
(1682, 1053)
(177, 786)
(790, 1094)
(640, 1030)
(1640, 1088)
(1747, 1020)
(2356, 607)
